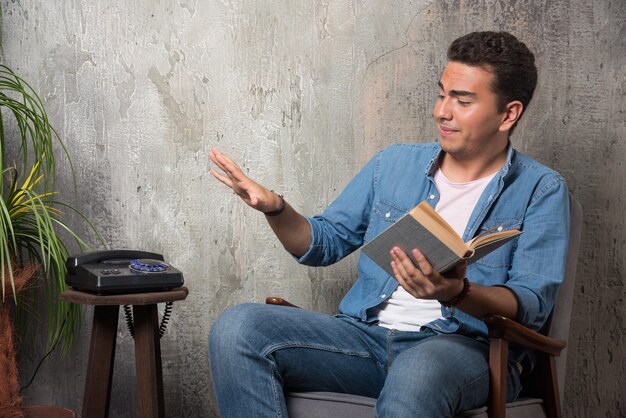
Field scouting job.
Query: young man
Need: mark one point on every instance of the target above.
(416, 340)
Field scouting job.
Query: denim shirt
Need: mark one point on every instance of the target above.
(524, 195)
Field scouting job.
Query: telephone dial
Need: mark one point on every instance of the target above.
(121, 271)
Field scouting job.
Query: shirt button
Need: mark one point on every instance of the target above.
(383, 296)
(500, 228)
(431, 197)
(388, 214)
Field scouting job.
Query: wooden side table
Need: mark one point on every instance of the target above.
(97, 392)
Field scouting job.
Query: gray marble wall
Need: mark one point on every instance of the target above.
(302, 93)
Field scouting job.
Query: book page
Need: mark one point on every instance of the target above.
(437, 226)
(489, 237)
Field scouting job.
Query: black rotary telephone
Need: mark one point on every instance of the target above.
(121, 271)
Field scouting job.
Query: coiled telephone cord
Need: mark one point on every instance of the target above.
(128, 314)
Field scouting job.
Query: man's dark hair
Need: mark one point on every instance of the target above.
(508, 59)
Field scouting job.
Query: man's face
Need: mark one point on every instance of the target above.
(466, 112)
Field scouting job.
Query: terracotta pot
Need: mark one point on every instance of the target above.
(10, 399)
(9, 383)
(47, 411)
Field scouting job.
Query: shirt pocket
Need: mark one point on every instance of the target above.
(387, 211)
(384, 213)
(502, 256)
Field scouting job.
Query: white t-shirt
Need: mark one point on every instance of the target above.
(456, 203)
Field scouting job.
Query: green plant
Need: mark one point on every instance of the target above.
(32, 229)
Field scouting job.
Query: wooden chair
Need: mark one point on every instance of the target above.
(540, 396)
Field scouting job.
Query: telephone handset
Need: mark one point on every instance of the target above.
(121, 271)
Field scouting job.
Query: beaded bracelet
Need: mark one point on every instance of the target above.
(280, 209)
(466, 289)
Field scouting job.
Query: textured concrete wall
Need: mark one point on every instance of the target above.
(302, 93)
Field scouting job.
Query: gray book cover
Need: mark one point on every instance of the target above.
(407, 234)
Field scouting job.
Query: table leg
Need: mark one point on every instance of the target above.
(150, 402)
(101, 358)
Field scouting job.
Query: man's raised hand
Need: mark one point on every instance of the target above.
(254, 194)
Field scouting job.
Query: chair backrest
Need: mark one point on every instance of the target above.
(560, 322)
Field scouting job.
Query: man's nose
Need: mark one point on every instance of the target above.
(442, 109)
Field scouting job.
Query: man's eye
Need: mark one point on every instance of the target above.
(464, 103)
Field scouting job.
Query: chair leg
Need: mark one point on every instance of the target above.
(551, 399)
(498, 360)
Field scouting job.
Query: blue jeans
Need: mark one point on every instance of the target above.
(257, 352)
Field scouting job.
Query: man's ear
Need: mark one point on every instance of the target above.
(512, 112)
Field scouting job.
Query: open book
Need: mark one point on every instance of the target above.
(424, 229)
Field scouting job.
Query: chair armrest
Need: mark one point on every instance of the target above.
(273, 300)
(505, 328)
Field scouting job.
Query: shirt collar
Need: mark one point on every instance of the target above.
(434, 161)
